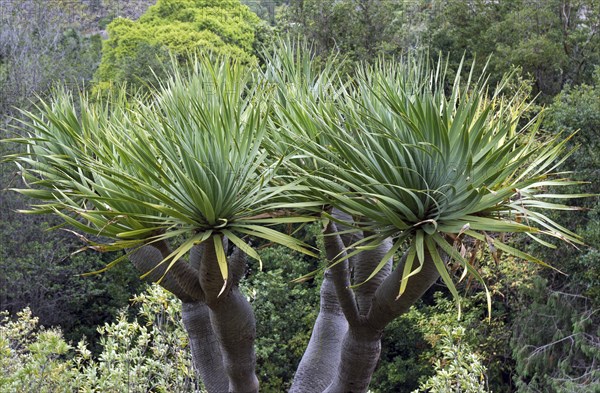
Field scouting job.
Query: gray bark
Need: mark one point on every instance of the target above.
(232, 320)
(386, 307)
(363, 264)
(368, 261)
(322, 367)
(205, 348)
(362, 344)
(182, 281)
(319, 362)
(345, 343)
(359, 355)
(369, 308)
(147, 259)
(340, 274)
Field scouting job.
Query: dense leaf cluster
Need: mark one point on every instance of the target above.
(137, 52)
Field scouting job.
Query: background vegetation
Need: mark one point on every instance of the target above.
(545, 332)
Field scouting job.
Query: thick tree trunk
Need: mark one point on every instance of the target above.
(319, 362)
(345, 343)
(377, 305)
(361, 345)
(205, 348)
(182, 281)
(359, 355)
(232, 321)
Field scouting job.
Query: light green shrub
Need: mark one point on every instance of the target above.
(138, 52)
(32, 358)
(460, 369)
(148, 353)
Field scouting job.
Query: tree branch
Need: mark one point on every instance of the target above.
(386, 307)
(366, 263)
(340, 273)
(147, 260)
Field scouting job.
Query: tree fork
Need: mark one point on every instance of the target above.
(361, 346)
(232, 320)
(204, 346)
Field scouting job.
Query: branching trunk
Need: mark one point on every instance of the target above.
(340, 274)
(362, 344)
(369, 308)
(232, 321)
(147, 259)
(345, 344)
(386, 307)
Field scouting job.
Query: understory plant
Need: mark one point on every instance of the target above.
(459, 369)
(146, 353)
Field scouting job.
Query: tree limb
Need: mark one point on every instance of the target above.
(147, 260)
(366, 263)
(340, 273)
(386, 307)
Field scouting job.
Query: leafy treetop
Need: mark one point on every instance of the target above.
(137, 51)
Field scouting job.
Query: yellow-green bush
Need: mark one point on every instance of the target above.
(147, 354)
(137, 52)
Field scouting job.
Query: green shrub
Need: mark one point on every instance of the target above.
(460, 369)
(32, 359)
(138, 52)
(148, 353)
(285, 314)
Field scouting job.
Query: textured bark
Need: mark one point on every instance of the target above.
(363, 264)
(342, 364)
(232, 320)
(347, 238)
(147, 259)
(366, 263)
(359, 356)
(361, 346)
(340, 274)
(386, 307)
(320, 360)
(205, 348)
(209, 274)
(234, 324)
(185, 274)
(362, 343)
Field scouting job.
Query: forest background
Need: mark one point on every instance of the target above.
(545, 330)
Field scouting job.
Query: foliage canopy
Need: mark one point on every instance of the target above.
(137, 52)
